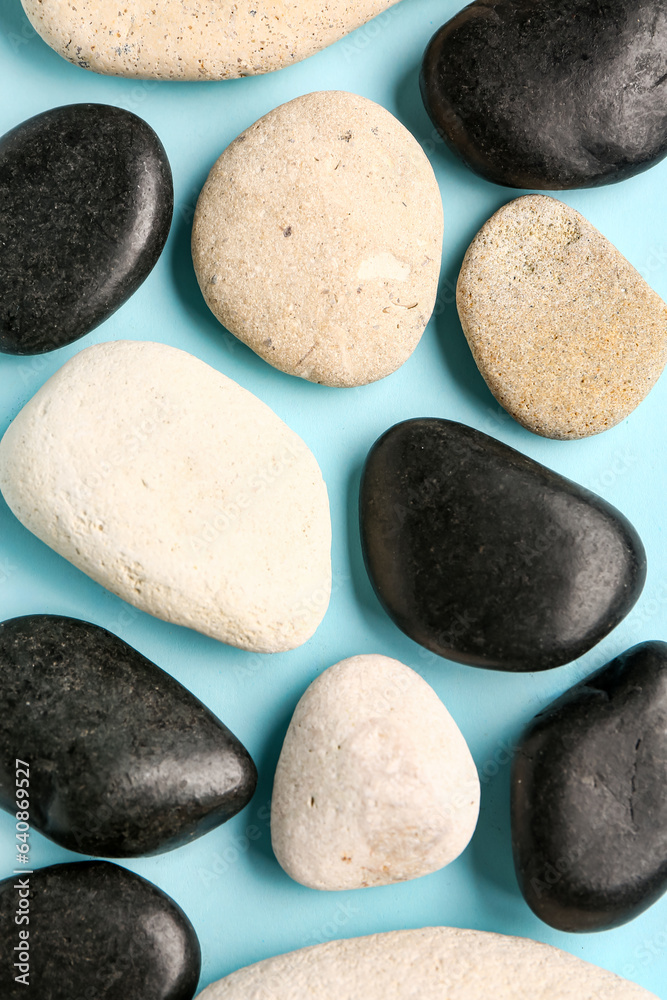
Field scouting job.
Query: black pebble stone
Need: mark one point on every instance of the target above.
(486, 557)
(537, 94)
(86, 200)
(589, 808)
(97, 932)
(124, 761)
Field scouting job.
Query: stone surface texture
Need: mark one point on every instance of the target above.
(205, 40)
(124, 761)
(318, 236)
(567, 335)
(97, 930)
(86, 201)
(375, 783)
(177, 490)
(589, 811)
(432, 963)
(536, 96)
(486, 557)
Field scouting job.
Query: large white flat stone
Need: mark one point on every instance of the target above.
(177, 490)
(194, 39)
(436, 963)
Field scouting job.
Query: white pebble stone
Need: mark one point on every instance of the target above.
(435, 963)
(177, 490)
(317, 239)
(375, 783)
(196, 39)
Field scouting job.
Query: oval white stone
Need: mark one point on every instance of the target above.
(375, 783)
(317, 239)
(194, 39)
(435, 963)
(177, 490)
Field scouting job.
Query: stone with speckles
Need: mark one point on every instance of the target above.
(589, 811)
(124, 761)
(317, 239)
(375, 782)
(95, 930)
(86, 201)
(206, 40)
(567, 335)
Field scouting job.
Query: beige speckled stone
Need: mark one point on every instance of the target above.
(194, 39)
(568, 336)
(435, 963)
(177, 490)
(317, 239)
(375, 783)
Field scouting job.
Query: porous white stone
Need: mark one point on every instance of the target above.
(177, 490)
(375, 783)
(567, 335)
(317, 239)
(435, 963)
(196, 39)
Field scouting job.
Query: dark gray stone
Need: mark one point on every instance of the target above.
(124, 761)
(488, 558)
(86, 200)
(96, 932)
(537, 94)
(589, 809)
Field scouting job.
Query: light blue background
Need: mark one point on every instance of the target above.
(243, 906)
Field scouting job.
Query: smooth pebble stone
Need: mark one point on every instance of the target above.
(536, 96)
(177, 490)
(486, 557)
(97, 930)
(375, 783)
(317, 239)
(567, 335)
(86, 200)
(212, 40)
(123, 760)
(432, 963)
(589, 811)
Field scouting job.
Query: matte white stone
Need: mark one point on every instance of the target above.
(317, 239)
(436, 963)
(177, 490)
(197, 39)
(375, 783)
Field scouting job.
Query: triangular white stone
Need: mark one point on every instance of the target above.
(375, 783)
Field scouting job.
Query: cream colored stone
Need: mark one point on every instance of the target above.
(318, 236)
(568, 336)
(177, 490)
(194, 39)
(375, 783)
(436, 963)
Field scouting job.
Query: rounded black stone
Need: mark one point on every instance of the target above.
(95, 930)
(533, 94)
(86, 200)
(124, 761)
(486, 557)
(589, 809)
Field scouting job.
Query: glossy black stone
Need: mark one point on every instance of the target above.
(86, 200)
(96, 931)
(124, 761)
(537, 94)
(589, 807)
(484, 556)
